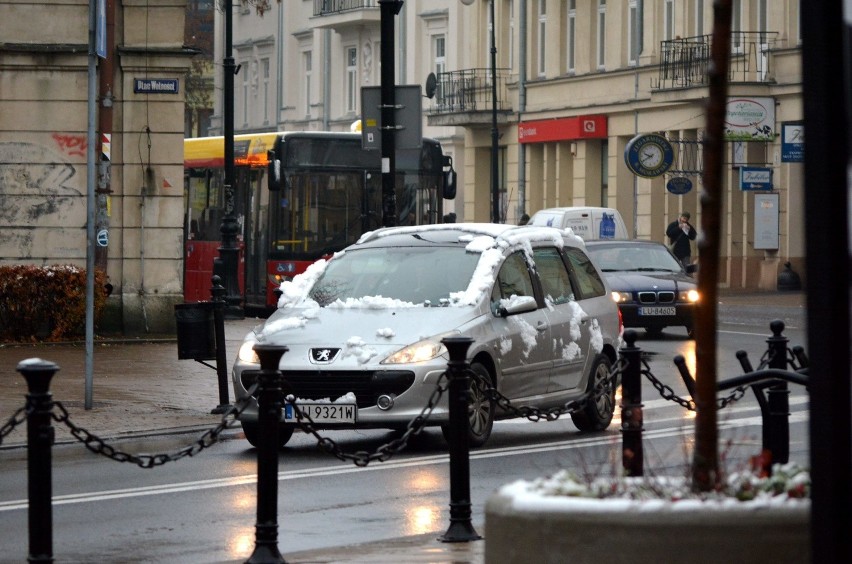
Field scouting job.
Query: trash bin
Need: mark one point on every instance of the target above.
(196, 338)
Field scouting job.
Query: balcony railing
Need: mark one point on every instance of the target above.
(326, 7)
(469, 90)
(684, 61)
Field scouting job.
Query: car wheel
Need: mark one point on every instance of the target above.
(480, 409)
(252, 433)
(597, 413)
(690, 331)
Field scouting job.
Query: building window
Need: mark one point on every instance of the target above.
(668, 20)
(245, 100)
(571, 39)
(634, 31)
(699, 17)
(542, 35)
(736, 25)
(307, 68)
(601, 44)
(264, 75)
(511, 41)
(439, 62)
(351, 79)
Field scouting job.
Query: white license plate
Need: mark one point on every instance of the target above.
(656, 310)
(322, 412)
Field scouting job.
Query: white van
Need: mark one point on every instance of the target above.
(587, 222)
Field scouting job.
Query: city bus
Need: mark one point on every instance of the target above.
(297, 197)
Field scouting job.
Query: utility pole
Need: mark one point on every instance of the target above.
(228, 261)
(389, 9)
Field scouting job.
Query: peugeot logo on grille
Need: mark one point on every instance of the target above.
(324, 355)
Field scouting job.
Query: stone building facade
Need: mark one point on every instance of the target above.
(45, 126)
(576, 81)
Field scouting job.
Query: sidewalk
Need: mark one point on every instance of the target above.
(140, 388)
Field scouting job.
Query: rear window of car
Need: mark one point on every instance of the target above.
(589, 283)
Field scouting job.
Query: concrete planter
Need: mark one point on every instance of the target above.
(557, 529)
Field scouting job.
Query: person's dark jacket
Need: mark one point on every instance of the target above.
(679, 239)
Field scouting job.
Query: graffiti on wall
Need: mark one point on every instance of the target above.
(36, 188)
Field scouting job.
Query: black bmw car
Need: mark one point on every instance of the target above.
(652, 289)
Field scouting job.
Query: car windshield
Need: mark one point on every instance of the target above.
(418, 275)
(633, 258)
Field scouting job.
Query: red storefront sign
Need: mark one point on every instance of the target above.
(562, 129)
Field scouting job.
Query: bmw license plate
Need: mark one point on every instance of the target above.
(322, 412)
(656, 310)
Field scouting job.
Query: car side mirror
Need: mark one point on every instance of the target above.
(691, 268)
(516, 305)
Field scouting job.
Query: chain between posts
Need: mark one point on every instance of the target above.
(668, 393)
(384, 452)
(99, 446)
(17, 418)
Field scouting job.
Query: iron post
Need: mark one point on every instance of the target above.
(228, 260)
(217, 292)
(461, 529)
(495, 181)
(632, 418)
(269, 404)
(388, 9)
(777, 431)
(40, 435)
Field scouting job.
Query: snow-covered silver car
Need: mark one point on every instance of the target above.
(364, 329)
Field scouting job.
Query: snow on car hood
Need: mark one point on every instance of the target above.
(382, 327)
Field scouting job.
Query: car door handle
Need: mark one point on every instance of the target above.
(541, 326)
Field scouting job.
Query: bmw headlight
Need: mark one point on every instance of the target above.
(690, 296)
(247, 353)
(421, 351)
(621, 297)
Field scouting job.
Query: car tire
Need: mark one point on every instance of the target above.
(480, 409)
(252, 433)
(596, 414)
(690, 331)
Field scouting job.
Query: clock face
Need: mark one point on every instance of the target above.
(651, 155)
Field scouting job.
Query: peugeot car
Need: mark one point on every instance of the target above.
(364, 330)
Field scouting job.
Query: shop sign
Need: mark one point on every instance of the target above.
(562, 129)
(750, 119)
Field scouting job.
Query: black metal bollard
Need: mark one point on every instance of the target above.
(632, 418)
(217, 292)
(776, 434)
(461, 529)
(40, 436)
(269, 403)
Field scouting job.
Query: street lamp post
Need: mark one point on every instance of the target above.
(495, 185)
(388, 10)
(495, 135)
(228, 261)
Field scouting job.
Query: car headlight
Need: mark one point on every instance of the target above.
(690, 296)
(247, 353)
(421, 351)
(621, 297)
